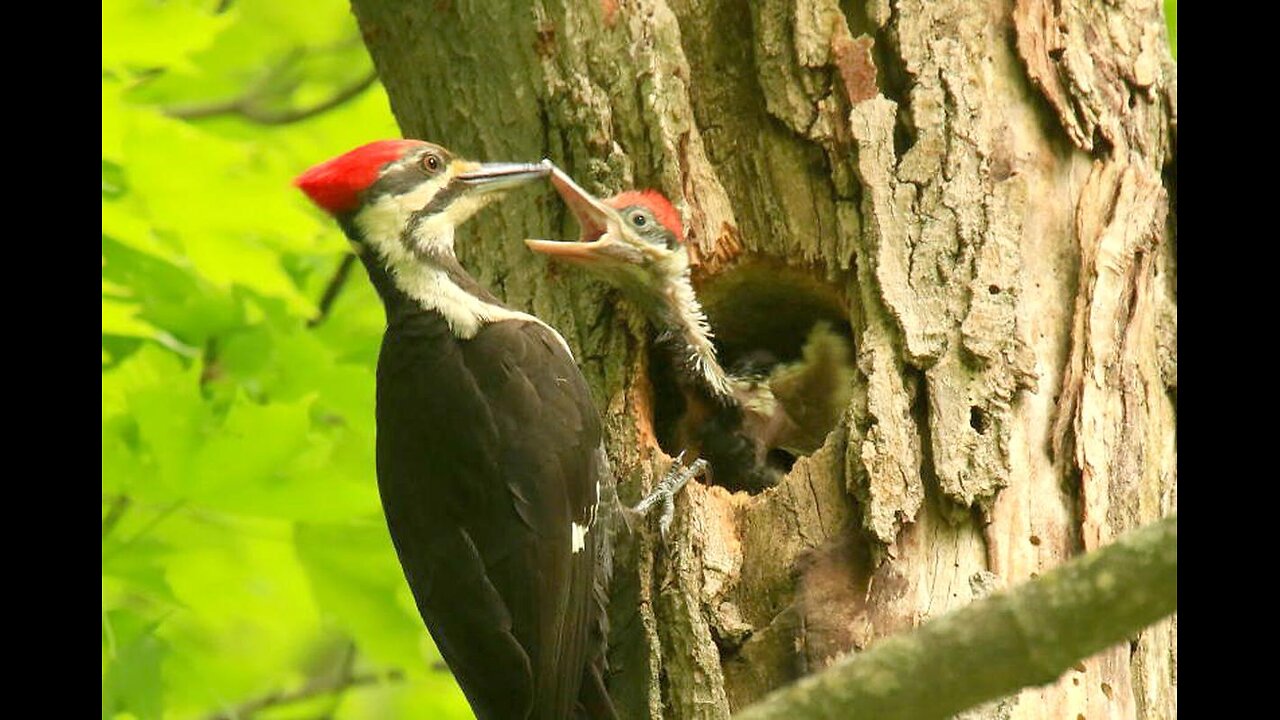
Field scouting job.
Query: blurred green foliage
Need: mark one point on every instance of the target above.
(244, 555)
(1171, 17)
(244, 552)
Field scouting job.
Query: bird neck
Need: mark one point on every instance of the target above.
(426, 278)
(685, 324)
(394, 300)
(438, 285)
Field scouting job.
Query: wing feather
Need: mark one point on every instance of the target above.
(486, 458)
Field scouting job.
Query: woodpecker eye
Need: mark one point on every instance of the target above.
(432, 162)
(638, 219)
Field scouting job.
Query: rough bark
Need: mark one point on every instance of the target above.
(981, 191)
(999, 644)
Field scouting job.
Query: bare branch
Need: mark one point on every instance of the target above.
(332, 289)
(250, 105)
(996, 646)
(160, 517)
(314, 688)
(119, 504)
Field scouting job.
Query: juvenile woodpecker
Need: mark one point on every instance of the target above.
(489, 457)
(635, 241)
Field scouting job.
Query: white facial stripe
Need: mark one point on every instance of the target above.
(380, 222)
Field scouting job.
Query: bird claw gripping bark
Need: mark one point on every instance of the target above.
(676, 478)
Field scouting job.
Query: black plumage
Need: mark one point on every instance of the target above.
(487, 452)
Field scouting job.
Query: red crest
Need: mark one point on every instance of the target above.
(657, 203)
(336, 184)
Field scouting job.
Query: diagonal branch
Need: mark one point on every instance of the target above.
(332, 289)
(159, 517)
(319, 686)
(250, 105)
(996, 646)
(119, 504)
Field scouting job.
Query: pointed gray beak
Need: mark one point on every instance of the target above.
(488, 177)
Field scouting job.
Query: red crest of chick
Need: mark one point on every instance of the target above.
(657, 203)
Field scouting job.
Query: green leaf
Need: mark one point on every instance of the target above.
(142, 34)
(120, 318)
(139, 563)
(357, 579)
(266, 461)
(113, 121)
(434, 695)
(172, 298)
(225, 420)
(132, 681)
(172, 423)
(123, 223)
(250, 448)
(114, 183)
(247, 624)
(123, 467)
(270, 48)
(151, 367)
(292, 363)
(233, 235)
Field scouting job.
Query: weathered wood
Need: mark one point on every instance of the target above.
(997, 645)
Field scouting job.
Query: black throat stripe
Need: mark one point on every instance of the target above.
(441, 200)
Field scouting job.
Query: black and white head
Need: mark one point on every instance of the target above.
(404, 198)
(400, 202)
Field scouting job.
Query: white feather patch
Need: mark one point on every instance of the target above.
(695, 332)
(464, 312)
(381, 222)
(579, 536)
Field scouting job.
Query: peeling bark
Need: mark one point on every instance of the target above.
(983, 191)
(1028, 636)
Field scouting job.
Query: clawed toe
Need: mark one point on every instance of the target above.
(676, 478)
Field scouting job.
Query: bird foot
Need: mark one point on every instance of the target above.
(678, 475)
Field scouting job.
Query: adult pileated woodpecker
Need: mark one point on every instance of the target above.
(489, 455)
(634, 241)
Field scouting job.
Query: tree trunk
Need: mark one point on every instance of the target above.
(980, 193)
